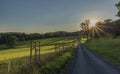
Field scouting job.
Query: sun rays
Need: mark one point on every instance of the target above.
(93, 22)
(98, 31)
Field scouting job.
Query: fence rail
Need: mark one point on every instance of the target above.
(35, 55)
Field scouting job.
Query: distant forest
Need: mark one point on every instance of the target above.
(17, 36)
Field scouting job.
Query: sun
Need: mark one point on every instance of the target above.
(92, 23)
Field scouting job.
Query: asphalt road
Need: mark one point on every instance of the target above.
(85, 62)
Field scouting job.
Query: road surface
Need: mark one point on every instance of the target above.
(86, 62)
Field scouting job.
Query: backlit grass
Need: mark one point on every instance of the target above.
(22, 48)
(107, 48)
(21, 52)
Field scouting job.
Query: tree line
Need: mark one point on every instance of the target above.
(10, 38)
(107, 28)
(101, 29)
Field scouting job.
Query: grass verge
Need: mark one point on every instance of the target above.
(55, 65)
(107, 48)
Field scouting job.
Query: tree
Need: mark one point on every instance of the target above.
(6, 37)
(12, 40)
(82, 28)
(118, 6)
(87, 22)
(85, 28)
(107, 21)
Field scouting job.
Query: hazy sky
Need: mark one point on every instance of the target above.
(52, 15)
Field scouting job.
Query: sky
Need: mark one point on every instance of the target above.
(41, 16)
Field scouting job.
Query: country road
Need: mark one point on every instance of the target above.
(85, 62)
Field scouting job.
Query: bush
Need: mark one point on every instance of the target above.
(12, 40)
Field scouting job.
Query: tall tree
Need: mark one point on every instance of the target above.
(85, 28)
(87, 22)
(118, 6)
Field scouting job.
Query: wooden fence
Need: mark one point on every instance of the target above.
(59, 48)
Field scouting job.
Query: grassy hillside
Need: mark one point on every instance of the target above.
(22, 48)
(107, 48)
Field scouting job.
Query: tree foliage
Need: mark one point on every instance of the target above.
(118, 6)
(8, 37)
(102, 29)
(85, 28)
(11, 41)
(109, 27)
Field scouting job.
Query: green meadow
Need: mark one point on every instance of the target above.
(22, 49)
(19, 55)
(107, 48)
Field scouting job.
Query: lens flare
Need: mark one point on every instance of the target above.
(92, 23)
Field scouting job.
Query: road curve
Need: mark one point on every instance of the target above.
(86, 62)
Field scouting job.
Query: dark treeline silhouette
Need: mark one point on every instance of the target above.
(101, 29)
(7, 37)
(108, 27)
(118, 6)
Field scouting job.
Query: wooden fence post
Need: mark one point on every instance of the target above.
(9, 66)
(55, 49)
(31, 52)
(35, 53)
(63, 48)
(60, 49)
(36, 47)
(39, 51)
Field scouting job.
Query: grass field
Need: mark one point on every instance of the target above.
(107, 48)
(19, 56)
(22, 48)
